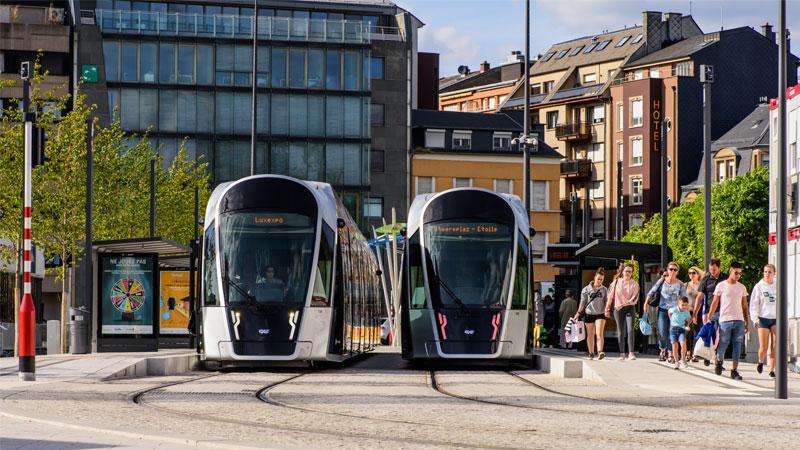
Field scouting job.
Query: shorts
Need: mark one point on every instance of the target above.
(677, 335)
(767, 323)
(592, 318)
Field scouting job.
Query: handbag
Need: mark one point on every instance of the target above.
(578, 331)
(655, 300)
(702, 350)
(644, 325)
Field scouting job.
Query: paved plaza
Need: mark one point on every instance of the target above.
(379, 401)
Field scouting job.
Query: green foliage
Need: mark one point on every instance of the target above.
(739, 226)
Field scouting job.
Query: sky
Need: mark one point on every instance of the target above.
(472, 31)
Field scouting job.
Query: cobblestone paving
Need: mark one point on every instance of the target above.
(379, 402)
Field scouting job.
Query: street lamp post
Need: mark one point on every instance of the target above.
(254, 83)
(27, 311)
(707, 77)
(781, 360)
(664, 205)
(526, 157)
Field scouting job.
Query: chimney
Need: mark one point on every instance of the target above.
(484, 66)
(766, 30)
(654, 33)
(674, 26)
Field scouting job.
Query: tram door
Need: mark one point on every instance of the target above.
(337, 321)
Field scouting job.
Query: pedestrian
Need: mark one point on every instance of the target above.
(704, 296)
(679, 319)
(762, 312)
(623, 295)
(592, 308)
(730, 297)
(670, 289)
(692, 289)
(568, 308)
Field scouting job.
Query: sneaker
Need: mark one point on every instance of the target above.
(735, 374)
(631, 357)
(760, 368)
(684, 365)
(718, 368)
(601, 356)
(677, 365)
(622, 357)
(591, 355)
(706, 362)
(772, 374)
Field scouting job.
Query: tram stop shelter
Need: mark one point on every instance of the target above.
(608, 254)
(141, 297)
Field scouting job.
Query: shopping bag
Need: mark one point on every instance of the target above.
(644, 326)
(568, 330)
(578, 332)
(702, 350)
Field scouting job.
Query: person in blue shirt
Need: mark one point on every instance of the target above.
(670, 289)
(679, 318)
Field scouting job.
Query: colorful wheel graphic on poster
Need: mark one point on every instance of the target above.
(127, 295)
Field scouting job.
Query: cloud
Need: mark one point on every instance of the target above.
(455, 47)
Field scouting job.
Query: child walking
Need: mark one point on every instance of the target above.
(679, 317)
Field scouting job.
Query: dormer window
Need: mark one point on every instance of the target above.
(623, 41)
(638, 39)
(562, 53)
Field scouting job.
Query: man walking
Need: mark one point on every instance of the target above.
(731, 298)
(568, 308)
(706, 291)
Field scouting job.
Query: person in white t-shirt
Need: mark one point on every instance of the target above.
(763, 314)
(731, 298)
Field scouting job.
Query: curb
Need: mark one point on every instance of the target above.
(157, 366)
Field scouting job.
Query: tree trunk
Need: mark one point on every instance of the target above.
(64, 301)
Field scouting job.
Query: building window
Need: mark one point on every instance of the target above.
(620, 117)
(504, 186)
(453, 107)
(635, 220)
(598, 151)
(731, 169)
(597, 114)
(598, 189)
(720, 171)
(620, 151)
(376, 163)
(637, 191)
(548, 86)
(501, 141)
(376, 68)
(576, 51)
(539, 196)
(637, 113)
(638, 75)
(462, 140)
(434, 138)
(637, 157)
(562, 53)
(552, 119)
(376, 114)
(622, 41)
(655, 72)
(536, 88)
(589, 78)
(166, 60)
(462, 182)
(683, 69)
(492, 102)
(425, 185)
(539, 246)
(373, 207)
(598, 228)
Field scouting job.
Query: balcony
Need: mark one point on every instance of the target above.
(577, 170)
(573, 131)
(238, 27)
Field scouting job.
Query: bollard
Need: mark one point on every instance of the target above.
(27, 339)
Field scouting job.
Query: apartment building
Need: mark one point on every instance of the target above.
(570, 95)
(482, 90)
(458, 149)
(665, 85)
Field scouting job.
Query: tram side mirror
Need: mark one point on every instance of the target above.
(340, 223)
(531, 232)
(403, 231)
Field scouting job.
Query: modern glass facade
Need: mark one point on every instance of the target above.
(185, 72)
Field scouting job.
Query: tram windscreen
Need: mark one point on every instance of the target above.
(470, 263)
(267, 257)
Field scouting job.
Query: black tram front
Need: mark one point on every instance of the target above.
(466, 277)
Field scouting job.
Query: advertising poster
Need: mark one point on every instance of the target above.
(127, 294)
(174, 303)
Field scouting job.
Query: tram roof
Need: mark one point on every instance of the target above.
(603, 248)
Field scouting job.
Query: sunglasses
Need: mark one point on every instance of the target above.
(672, 269)
(692, 272)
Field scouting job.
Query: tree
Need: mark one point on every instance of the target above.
(739, 226)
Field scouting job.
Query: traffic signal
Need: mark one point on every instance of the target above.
(38, 156)
(706, 73)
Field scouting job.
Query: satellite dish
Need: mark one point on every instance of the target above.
(463, 70)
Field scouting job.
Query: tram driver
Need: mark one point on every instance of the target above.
(269, 287)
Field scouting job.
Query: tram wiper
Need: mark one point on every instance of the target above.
(251, 299)
(453, 295)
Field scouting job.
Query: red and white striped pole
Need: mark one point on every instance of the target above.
(27, 311)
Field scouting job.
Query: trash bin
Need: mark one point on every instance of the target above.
(80, 320)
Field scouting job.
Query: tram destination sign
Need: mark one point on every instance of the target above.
(466, 229)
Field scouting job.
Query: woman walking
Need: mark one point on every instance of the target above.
(592, 307)
(763, 315)
(692, 289)
(669, 289)
(623, 296)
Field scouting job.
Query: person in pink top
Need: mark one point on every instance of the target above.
(731, 298)
(623, 295)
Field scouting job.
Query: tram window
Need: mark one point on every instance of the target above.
(210, 295)
(520, 297)
(267, 257)
(416, 279)
(469, 263)
(322, 276)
